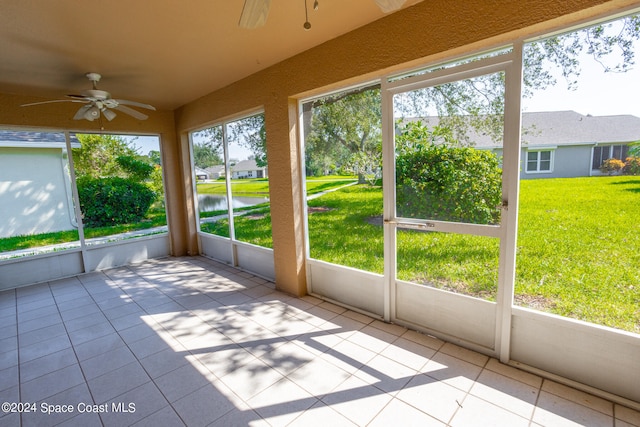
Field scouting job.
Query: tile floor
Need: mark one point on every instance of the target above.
(189, 341)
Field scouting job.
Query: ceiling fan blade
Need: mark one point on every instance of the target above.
(389, 5)
(108, 114)
(49, 102)
(135, 104)
(130, 111)
(82, 112)
(254, 13)
(76, 96)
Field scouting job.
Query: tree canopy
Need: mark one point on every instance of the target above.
(343, 131)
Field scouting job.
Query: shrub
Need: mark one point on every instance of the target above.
(611, 166)
(113, 200)
(632, 166)
(437, 178)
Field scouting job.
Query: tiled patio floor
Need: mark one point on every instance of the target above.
(191, 341)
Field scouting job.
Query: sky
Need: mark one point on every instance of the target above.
(598, 93)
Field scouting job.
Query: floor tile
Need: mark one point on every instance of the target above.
(453, 371)
(153, 336)
(357, 400)
(319, 377)
(180, 382)
(164, 417)
(35, 368)
(90, 333)
(254, 377)
(133, 406)
(8, 377)
(408, 353)
(163, 362)
(386, 374)
(517, 397)
(480, 413)
(203, 406)
(43, 348)
(400, 413)
(107, 362)
(98, 346)
(321, 415)
(431, 396)
(117, 382)
(51, 383)
(552, 410)
(578, 396)
(282, 402)
(38, 335)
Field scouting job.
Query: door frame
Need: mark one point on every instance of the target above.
(511, 64)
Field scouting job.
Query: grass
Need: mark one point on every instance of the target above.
(578, 247)
(155, 217)
(261, 186)
(578, 252)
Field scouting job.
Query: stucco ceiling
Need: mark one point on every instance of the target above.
(162, 52)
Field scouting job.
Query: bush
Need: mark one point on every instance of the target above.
(632, 166)
(113, 200)
(436, 178)
(611, 166)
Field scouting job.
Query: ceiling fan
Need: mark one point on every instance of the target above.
(254, 13)
(99, 101)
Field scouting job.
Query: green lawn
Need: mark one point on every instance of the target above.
(155, 217)
(261, 186)
(578, 252)
(578, 247)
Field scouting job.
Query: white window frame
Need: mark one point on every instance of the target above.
(538, 170)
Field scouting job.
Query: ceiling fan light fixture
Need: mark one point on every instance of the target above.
(92, 113)
(254, 13)
(389, 5)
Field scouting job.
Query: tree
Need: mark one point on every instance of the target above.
(206, 155)
(345, 130)
(250, 133)
(98, 155)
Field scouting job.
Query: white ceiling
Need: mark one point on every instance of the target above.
(162, 52)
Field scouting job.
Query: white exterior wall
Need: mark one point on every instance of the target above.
(35, 193)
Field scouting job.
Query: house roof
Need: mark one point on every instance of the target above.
(572, 128)
(553, 128)
(245, 165)
(215, 169)
(36, 139)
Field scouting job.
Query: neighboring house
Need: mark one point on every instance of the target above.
(35, 186)
(215, 172)
(248, 169)
(565, 144)
(201, 174)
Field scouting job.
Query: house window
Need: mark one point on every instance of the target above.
(539, 161)
(605, 152)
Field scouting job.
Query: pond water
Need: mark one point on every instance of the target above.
(215, 202)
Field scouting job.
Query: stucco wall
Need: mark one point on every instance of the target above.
(34, 192)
